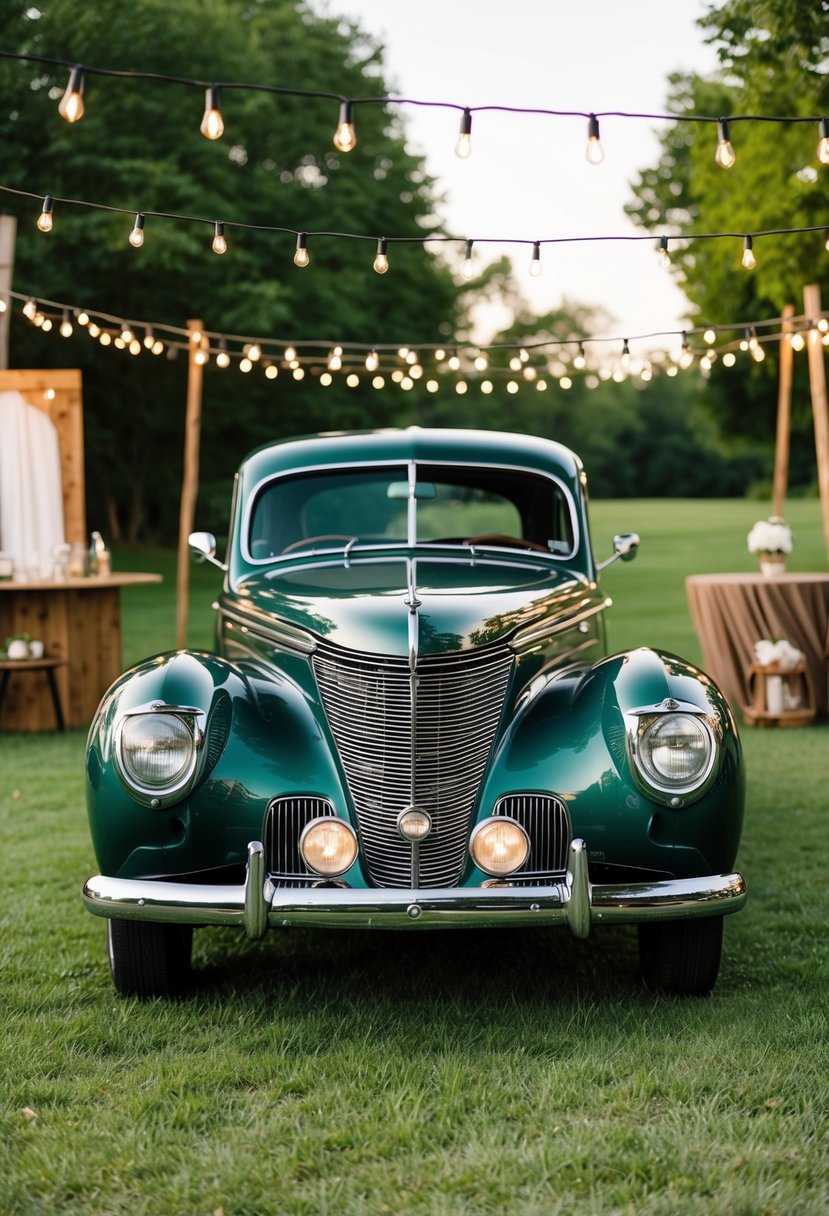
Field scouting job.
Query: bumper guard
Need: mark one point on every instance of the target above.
(258, 905)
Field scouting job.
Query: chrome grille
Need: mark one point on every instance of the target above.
(546, 822)
(368, 704)
(284, 820)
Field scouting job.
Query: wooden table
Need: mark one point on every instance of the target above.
(733, 611)
(79, 621)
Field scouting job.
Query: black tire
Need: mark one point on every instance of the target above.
(681, 956)
(148, 960)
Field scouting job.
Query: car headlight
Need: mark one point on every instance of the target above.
(499, 846)
(328, 846)
(157, 749)
(674, 752)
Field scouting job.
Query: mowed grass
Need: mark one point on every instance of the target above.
(463, 1073)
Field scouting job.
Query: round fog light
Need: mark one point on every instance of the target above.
(499, 846)
(328, 846)
(414, 824)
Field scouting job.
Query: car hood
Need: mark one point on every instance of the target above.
(364, 605)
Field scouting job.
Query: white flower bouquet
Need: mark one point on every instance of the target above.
(772, 535)
(779, 653)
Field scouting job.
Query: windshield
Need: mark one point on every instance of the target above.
(333, 508)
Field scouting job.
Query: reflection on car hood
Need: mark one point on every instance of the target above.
(363, 605)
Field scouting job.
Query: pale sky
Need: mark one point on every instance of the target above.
(527, 176)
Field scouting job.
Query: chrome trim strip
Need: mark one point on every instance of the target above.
(574, 902)
(547, 629)
(263, 627)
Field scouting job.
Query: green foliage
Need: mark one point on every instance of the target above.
(773, 58)
(138, 146)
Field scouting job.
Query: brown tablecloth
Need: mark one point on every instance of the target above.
(733, 611)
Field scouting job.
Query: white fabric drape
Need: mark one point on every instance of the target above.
(31, 499)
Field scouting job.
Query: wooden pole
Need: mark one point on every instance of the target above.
(8, 233)
(820, 404)
(190, 479)
(784, 414)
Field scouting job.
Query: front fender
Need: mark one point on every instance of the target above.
(570, 739)
(261, 739)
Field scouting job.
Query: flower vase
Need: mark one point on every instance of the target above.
(772, 564)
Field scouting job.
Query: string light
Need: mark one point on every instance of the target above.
(381, 261)
(245, 365)
(335, 360)
(149, 337)
(290, 354)
(136, 237)
(823, 142)
(725, 156)
(66, 325)
(664, 254)
(710, 336)
(44, 220)
(29, 309)
(71, 105)
(301, 255)
(222, 358)
(625, 356)
(372, 361)
(345, 137)
(464, 145)
(212, 123)
(798, 342)
(749, 260)
(535, 261)
(219, 242)
(595, 151)
(468, 269)
(580, 362)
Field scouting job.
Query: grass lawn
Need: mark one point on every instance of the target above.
(347, 1073)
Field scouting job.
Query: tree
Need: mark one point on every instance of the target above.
(138, 147)
(773, 57)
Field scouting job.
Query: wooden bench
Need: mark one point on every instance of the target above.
(21, 666)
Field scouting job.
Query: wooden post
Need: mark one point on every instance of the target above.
(784, 414)
(820, 405)
(8, 232)
(190, 479)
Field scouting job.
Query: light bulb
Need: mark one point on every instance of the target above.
(749, 260)
(372, 361)
(625, 357)
(798, 341)
(126, 334)
(440, 355)
(580, 362)
(823, 142)
(481, 362)
(515, 364)
(381, 261)
(212, 124)
(464, 145)
(136, 237)
(453, 362)
(83, 318)
(468, 269)
(201, 356)
(345, 137)
(135, 347)
(725, 155)
(219, 242)
(535, 261)
(222, 358)
(66, 325)
(158, 347)
(664, 255)
(149, 337)
(44, 220)
(595, 151)
(758, 354)
(335, 360)
(290, 354)
(729, 359)
(30, 309)
(46, 324)
(301, 255)
(271, 371)
(710, 337)
(826, 243)
(752, 339)
(245, 365)
(93, 329)
(254, 352)
(524, 355)
(71, 104)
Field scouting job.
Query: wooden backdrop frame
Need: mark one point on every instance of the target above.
(58, 393)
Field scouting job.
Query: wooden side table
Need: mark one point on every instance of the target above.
(27, 667)
(796, 681)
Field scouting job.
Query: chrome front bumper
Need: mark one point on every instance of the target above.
(258, 905)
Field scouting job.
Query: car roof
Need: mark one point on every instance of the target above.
(449, 445)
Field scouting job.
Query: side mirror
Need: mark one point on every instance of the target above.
(203, 547)
(625, 546)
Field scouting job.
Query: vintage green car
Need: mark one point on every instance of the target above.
(410, 722)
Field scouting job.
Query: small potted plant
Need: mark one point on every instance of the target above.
(771, 540)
